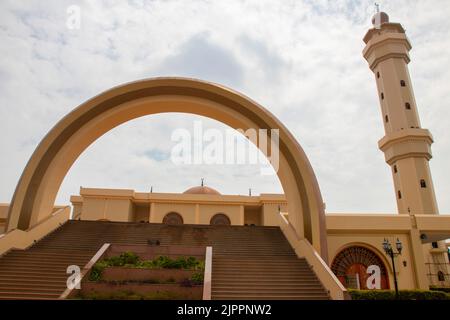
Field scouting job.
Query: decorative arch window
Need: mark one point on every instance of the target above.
(395, 168)
(408, 106)
(378, 75)
(386, 118)
(441, 276)
(423, 184)
(350, 266)
(403, 83)
(220, 219)
(173, 218)
(399, 194)
(382, 96)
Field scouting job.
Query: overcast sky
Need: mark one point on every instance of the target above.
(300, 59)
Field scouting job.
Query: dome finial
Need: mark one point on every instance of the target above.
(379, 17)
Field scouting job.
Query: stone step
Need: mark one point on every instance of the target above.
(267, 297)
(59, 287)
(248, 262)
(35, 295)
(44, 290)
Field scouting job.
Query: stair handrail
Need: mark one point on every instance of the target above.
(86, 269)
(22, 239)
(304, 249)
(207, 274)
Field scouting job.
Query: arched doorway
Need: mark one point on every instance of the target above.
(220, 219)
(173, 218)
(36, 191)
(350, 266)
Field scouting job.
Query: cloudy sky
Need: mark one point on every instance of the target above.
(300, 59)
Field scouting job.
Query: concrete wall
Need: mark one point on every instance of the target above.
(3, 215)
(108, 209)
(208, 211)
(269, 213)
(141, 213)
(159, 210)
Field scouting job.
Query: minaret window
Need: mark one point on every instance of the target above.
(386, 118)
(434, 245)
(399, 194)
(395, 168)
(423, 184)
(407, 106)
(402, 83)
(441, 276)
(382, 96)
(378, 75)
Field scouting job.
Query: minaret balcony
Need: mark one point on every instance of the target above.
(382, 46)
(413, 142)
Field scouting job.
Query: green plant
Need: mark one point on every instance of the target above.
(403, 295)
(443, 289)
(130, 259)
(197, 277)
(97, 270)
(164, 262)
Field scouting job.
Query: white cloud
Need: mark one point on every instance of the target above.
(300, 59)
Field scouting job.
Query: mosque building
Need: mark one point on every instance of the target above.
(341, 248)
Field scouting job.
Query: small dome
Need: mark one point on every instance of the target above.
(201, 190)
(380, 18)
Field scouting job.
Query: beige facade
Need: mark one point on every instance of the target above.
(194, 208)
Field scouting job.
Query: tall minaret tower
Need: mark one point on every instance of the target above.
(406, 145)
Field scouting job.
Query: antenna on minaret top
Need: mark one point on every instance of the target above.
(377, 8)
(202, 182)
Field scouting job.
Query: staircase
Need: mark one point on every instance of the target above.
(248, 262)
(258, 263)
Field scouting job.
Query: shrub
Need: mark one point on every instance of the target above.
(403, 295)
(130, 259)
(165, 262)
(197, 277)
(446, 289)
(97, 270)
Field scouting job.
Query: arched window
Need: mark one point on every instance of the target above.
(350, 266)
(378, 74)
(173, 218)
(441, 276)
(386, 118)
(395, 168)
(399, 194)
(220, 219)
(423, 184)
(382, 96)
(403, 83)
(407, 106)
